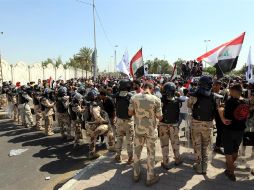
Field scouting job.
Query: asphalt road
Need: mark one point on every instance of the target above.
(46, 156)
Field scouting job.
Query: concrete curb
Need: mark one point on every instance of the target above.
(69, 184)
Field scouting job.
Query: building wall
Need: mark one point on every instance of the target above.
(23, 72)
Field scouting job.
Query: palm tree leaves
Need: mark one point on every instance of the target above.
(84, 58)
(81, 60)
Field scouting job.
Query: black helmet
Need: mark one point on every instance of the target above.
(82, 90)
(124, 85)
(205, 82)
(5, 83)
(92, 95)
(169, 89)
(77, 97)
(62, 91)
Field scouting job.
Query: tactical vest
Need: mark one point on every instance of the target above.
(60, 108)
(171, 111)
(122, 106)
(22, 100)
(204, 109)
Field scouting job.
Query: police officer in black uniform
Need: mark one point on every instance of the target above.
(203, 105)
(169, 126)
(124, 123)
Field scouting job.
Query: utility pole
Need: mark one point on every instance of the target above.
(94, 55)
(1, 69)
(206, 41)
(115, 58)
(95, 49)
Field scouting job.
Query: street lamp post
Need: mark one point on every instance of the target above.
(115, 58)
(206, 42)
(95, 49)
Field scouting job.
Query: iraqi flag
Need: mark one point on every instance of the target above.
(224, 58)
(137, 65)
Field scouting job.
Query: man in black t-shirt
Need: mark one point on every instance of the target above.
(233, 116)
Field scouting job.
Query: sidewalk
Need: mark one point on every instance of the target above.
(105, 174)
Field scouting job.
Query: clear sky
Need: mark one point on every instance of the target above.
(37, 29)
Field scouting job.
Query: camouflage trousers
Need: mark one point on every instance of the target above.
(78, 135)
(64, 122)
(3, 101)
(166, 133)
(48, 124)
(15, 113)
(38, 117)
(124, 127)
(26, 115)
(139, 141)
(93, 131)
(201, 138)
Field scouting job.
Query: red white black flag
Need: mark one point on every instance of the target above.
(137, 65)
(224, 58)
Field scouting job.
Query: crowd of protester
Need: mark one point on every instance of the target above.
(191, 69)
(118, 107)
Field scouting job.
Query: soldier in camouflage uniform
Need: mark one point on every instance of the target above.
(12, 99)
(146, 109)
(76, 110)
(37, 109)
(168, 128)
(3, 97)
(48, 105)
(97, 125)
(24, 107)
(15, 108)
(63, 117)
(124, 123)
(203, 105)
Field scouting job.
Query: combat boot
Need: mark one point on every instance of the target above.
(50, 133)
(152, 181)
(178, 161)
(118, 158)
(136, 178)
(165, 166)
(93, 156)
(130, 160)
(198, 168)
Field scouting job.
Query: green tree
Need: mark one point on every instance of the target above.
(84, 59)
(178, 63)
(210, 70)
(158, 66)
(44, 65)
(57, 64)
